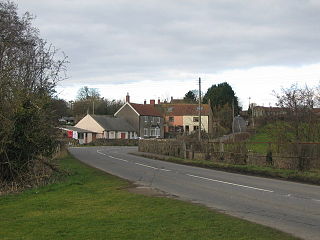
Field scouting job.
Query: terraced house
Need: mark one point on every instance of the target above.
(184, 118)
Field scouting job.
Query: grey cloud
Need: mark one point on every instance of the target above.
(103, 38)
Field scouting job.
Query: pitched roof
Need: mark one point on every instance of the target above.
(185, 109)
(72, 128)
(111, 123)
(146, 109)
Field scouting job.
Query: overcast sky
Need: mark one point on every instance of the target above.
(159, 48)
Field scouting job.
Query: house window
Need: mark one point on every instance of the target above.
(157, 132)
(152, 132)
(145, 118)
(145, 131)
(171, 119)
(158, 119)
(195, 128)
(80, 135)
(195, 119)
(187, 128)
(171, 128)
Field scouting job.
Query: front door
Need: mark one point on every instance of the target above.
(123, 135)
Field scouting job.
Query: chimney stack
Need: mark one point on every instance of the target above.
(152, 101)
(127, 98)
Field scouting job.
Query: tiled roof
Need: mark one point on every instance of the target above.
(185, 109)
(146, 109)
(111, 123)
(72, 128)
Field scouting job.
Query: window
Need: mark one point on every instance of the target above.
(157, 132)
(171, 119)
(145, 131)
(152, 132)
(145, 118)
(171, 128)
(195, 119)
(195, 128)
(80, 135)
(187, 128)
(158, 119)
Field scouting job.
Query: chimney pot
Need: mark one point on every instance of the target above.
(145, 102)
(152, 101)
(128, 98)
(158, 100)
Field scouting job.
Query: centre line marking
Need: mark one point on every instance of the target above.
(100, 152)
(229, 183)
(166, 170)
(146, 166)
(118, 158)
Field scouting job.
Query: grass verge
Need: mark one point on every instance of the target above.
(312, 177)
(89, 204)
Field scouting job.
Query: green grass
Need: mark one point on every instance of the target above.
(262, 135)
(89, 204)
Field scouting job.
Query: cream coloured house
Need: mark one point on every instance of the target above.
(108, 127)
(191, 123)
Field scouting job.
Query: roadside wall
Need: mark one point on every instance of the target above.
(240, 153)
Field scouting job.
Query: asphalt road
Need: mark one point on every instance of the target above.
(287, 206)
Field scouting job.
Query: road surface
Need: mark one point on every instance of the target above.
(287, 206)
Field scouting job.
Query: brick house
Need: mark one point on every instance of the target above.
(145, 118)
(182, 117)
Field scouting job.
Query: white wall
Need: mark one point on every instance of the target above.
(188, 120)
(88, 123)
(112, 135)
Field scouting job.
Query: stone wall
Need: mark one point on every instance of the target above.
(233, 153)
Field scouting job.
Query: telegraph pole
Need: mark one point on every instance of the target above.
(233, 117)
(199, 109)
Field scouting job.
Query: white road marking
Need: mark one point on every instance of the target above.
(161, 169)
(100, 152)
(140, 164)
(229, 183)
(166, 170)
(118, 158)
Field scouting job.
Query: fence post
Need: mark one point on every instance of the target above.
(192, 152)
(184, 149)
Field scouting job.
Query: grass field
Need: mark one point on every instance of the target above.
(89, 204)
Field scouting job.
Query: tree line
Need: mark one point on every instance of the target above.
(88, 100)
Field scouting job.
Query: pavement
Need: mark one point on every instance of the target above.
(290, 207)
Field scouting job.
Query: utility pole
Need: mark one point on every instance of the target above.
(199, 109)
(233, 116)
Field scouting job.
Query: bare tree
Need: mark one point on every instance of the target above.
(300, 124)
(29, 72)
(86, 93)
